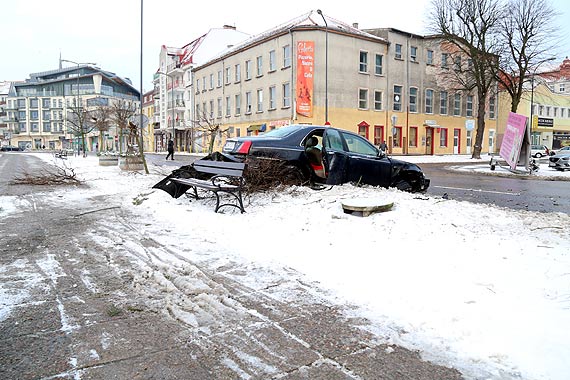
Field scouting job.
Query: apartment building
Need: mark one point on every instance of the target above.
(148, 111)
(173, 81)
(39, 109)
(385, 84)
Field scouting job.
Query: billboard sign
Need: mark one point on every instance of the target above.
(305, 71)
(513, 139)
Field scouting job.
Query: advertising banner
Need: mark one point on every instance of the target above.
(305, 67)
(513, 138)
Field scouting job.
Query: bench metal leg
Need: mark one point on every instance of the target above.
(236, 196)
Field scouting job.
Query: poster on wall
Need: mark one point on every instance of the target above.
(305, 67)
(513, 139)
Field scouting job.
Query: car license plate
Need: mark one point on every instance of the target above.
(551, 164)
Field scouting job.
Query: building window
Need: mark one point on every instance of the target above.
(286, 95)
(22, 127)
(444, 57)
(378, 64)
(397, 106)
(443, 102)
(287, 56)
(363, 66)
(248, 70)
(492, 108)
(259, 66)
(443, 137)
(204, 84)
(272, 94)
(238, 104)
(555, 112)
(260, 100)
(413, 99)
(34, 114)
(397, 137)
(378, 134)
(469, 108)
(363, 131)
(238, 73)
(377, 100)
(34, 127)
(212, 81)
(429, 101)
(413, 53)
(220, 78)
(45, 103)
(429, 59)
(211, 109)
(248, 102)
(272, 63)
(219, 107)
(228, 75)
(457, 104)
(228, 106)
(413, 140)
(457, 63)
(34, 103)
(46, 127)
(362, 99)
(398, 51)
(46, 115)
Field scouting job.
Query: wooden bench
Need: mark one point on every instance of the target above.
(227, 178)
(61, 154)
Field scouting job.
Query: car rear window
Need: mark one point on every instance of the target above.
(281, 132)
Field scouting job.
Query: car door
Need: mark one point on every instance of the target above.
(334, 157)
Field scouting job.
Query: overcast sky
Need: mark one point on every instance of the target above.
(34, 33)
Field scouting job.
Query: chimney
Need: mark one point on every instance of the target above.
(355, 25)
(229, 27)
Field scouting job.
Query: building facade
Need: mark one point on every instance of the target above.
(384, 84)
(40, 110)
(148, 112)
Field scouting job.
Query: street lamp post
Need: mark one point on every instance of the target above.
(77, 102)
(326, 66)
(172, 96)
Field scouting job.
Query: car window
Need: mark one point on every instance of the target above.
(357, 144)
(281, 132)
(333, 140)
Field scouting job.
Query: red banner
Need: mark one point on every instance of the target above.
(305, 64)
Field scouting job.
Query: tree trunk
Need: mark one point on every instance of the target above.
(480, 126)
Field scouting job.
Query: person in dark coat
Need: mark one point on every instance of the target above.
(383, 147)
(170, 150)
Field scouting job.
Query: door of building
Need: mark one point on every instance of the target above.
(491, 141)
(468, 142)
(456, 141)
(429, 140)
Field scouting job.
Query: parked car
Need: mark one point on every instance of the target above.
(564, 149)
(10, 148)
(560, 161)
(329, 155)
(539, 151)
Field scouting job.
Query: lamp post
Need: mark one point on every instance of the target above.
(77, 103)
(326, 66)
(532, 91)
(172, 96)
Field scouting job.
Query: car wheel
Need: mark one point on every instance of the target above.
(538, 155)
(404, 186)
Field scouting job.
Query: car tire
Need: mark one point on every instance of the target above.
(538, 155)
(404, 186)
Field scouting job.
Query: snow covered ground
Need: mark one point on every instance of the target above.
(481, 288)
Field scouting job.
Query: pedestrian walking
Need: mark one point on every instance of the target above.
(170, 150)
(383, 147)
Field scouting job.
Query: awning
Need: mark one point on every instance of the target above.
(257, 127)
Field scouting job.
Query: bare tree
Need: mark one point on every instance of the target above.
(122, 111)
(79, 122)
(102, 118)
(472, 28)
(528, 36)
(207, 128)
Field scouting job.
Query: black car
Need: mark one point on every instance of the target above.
(10, 148)
(330, 155)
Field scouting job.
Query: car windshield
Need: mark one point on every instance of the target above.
(281, 132)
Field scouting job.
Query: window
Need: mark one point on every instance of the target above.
(46, 115)
(363, 131)
(22, 127)
(429, 59)
(248, 102)
(444, 57)
(443, 102)
(212, 81)
(363, 66)
(272, 63)
(46, 127)
(413, 53)
(34, 115)
(272, 94)
(541, 110)
(469, 108)
(397, 106)
(429, 101)
(259, 65)
(397, 137)
(34, 103)
(378, 134)
(219, 107)
(203, 83)
(413, 140)
(363, 98)
(220, 78)
(492, 108)
(457, 63)
(413, 99)
(457, 104)
(228, 106)
(443, 137)
(260, 100)
(34, 127)
(555, 112)
(211, 109)
(378, 64)
(45, 103)
(377, 100)
(286, 95)
(238, 73)
(248, 70)
(287, 56)
(398, 51)
(238, 104)
(228, 75)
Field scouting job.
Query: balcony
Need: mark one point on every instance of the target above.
(174, 68)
